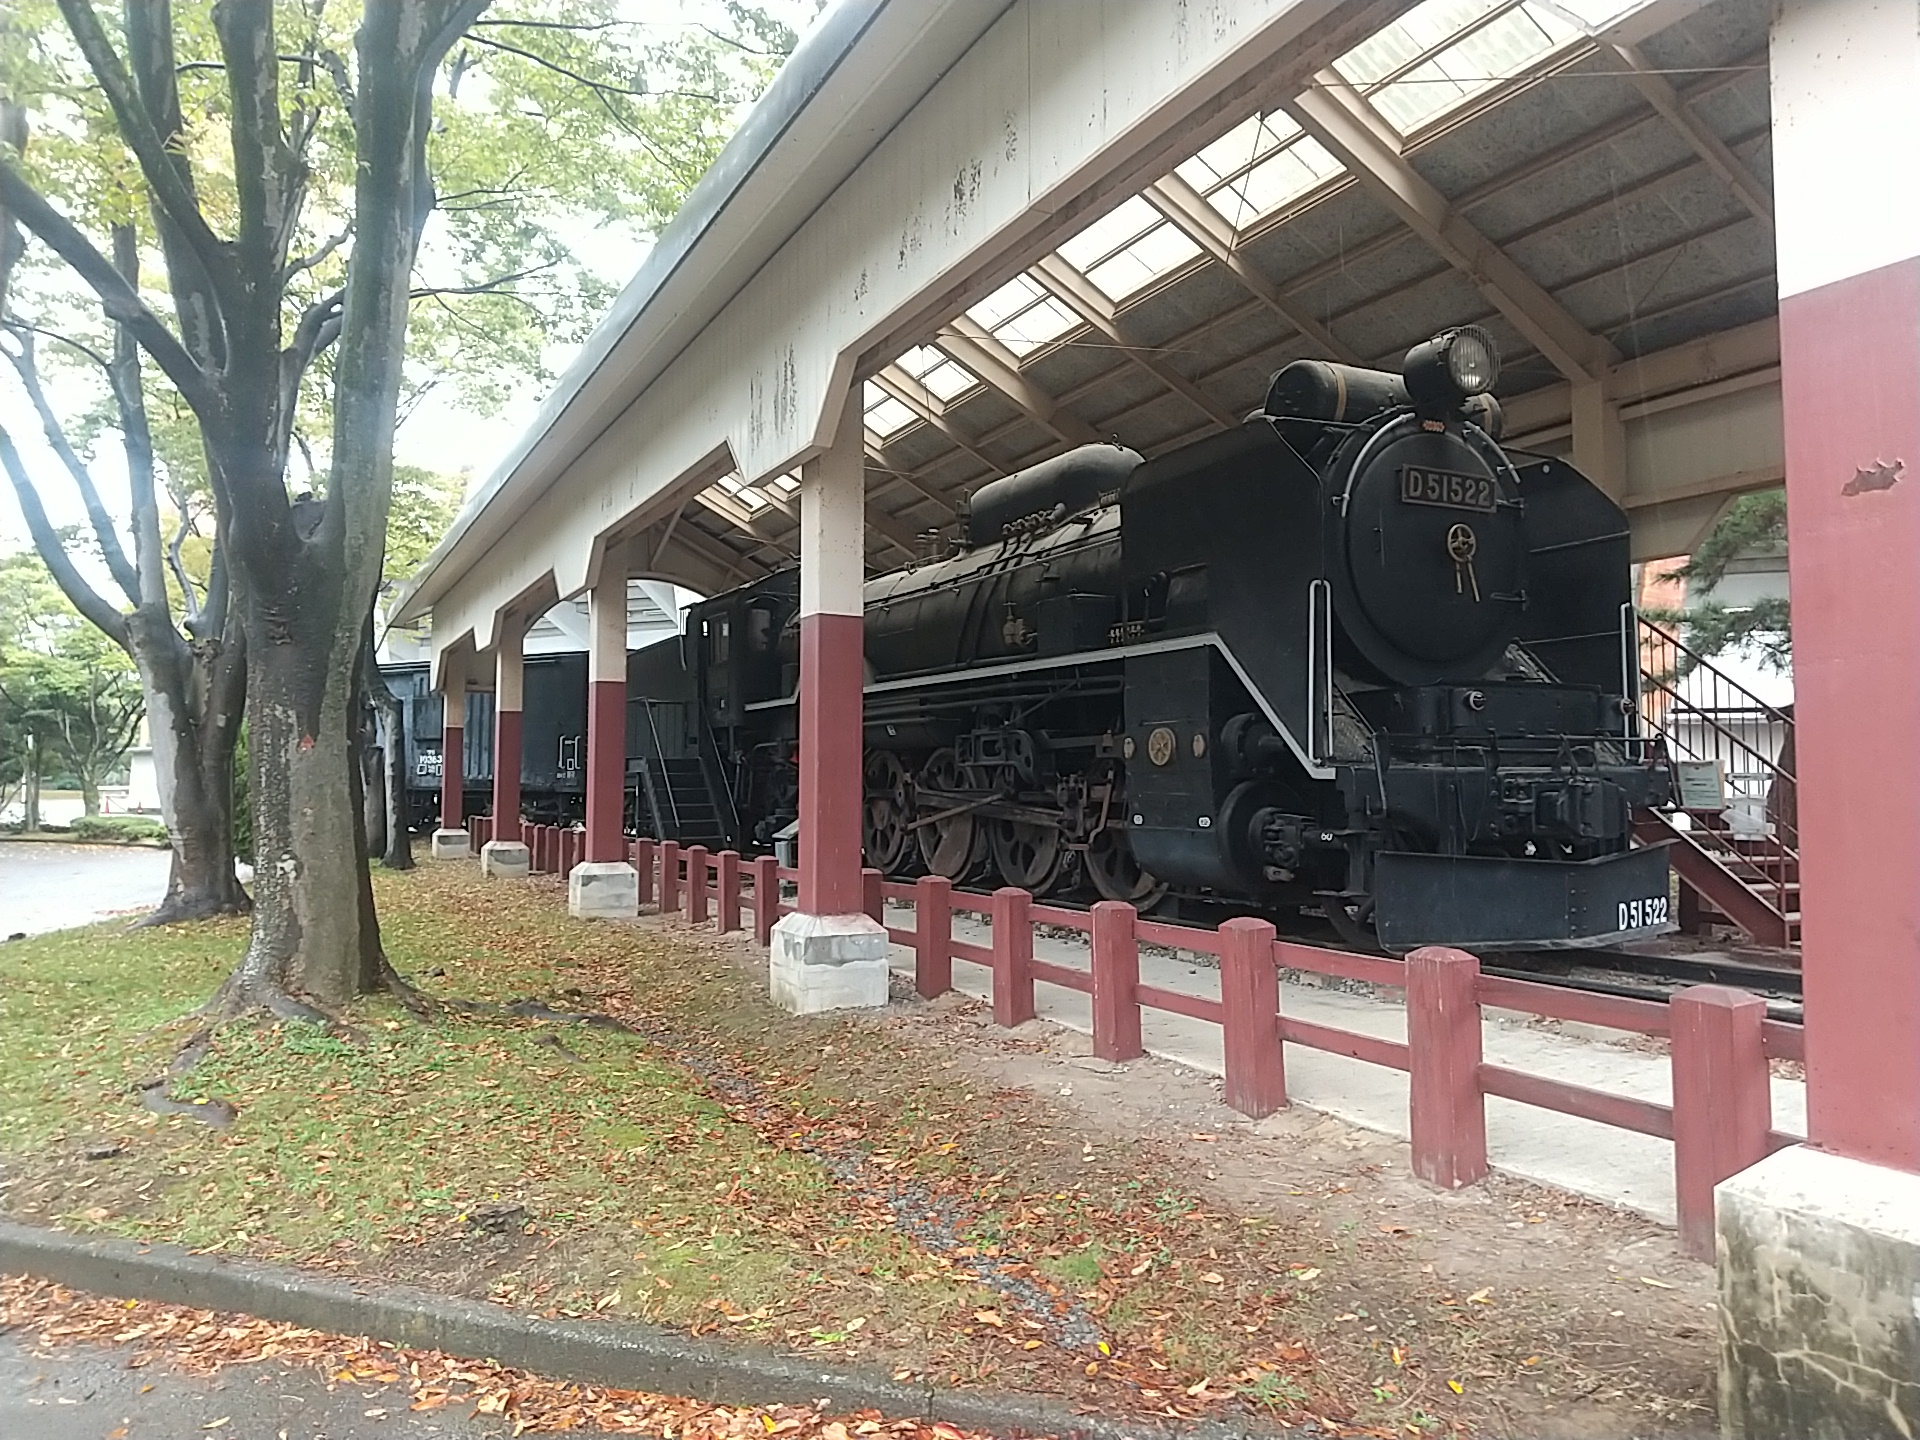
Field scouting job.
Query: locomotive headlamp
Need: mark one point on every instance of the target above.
(1452, 367)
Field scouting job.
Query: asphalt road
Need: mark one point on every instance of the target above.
(47, 886)
(86, 1392)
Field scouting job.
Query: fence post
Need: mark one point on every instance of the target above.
(696, 885)
(1446, 1110)
(1012, 956)
(1250, 1008)
(643, 868)
(873, 899)
(669, 876)
(537, 841)
(1116, 979)
(569, 850)
(729, 907)
(1722, 1101)
(766, 897)
(932, 936)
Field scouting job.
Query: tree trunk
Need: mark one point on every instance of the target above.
(193, 703)
(30, 796)
(393, 745)
(89, 793)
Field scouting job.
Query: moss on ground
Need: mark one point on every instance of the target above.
(827, 1184)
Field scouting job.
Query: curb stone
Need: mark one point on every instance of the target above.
(627, 1356)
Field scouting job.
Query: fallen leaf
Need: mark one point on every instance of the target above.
(217, 1424)
(1657, 1284)
(988, 1317)
(1480, 1297)
(1213, 1277)
(1456, 1387)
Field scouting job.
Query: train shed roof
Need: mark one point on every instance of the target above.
(1587, 178)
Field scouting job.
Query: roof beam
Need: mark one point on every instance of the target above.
(1084, 298)
(911, 394)
(1335, 115)
(1708, 146)
(1190, 213)
(975, 347)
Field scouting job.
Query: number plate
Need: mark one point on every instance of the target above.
(1644, 914)
(1448, 490)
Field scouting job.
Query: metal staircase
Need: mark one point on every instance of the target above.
(674, 799)
(1732, 819)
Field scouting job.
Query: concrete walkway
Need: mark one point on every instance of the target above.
(45, 885)
(1618, 1166)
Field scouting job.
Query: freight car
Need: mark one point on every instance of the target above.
(1352, 657)
(553, 745)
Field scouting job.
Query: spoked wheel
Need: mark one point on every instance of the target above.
(1027, 856)
(1116, 874)
(946, 846)
(885, 832)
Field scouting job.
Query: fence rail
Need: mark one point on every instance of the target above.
(1720, 1040)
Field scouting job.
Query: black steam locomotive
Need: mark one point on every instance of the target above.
(1352, 656)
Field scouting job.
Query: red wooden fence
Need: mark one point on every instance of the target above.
(1720, 1120)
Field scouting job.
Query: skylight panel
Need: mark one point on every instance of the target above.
(745, 494)
(1046, 319)
(1113, 231)
(1006, 302)
(886, 415)
(1256, 167)
(1443, 53)
(1160, 250)
(944, 377)
(787, 484)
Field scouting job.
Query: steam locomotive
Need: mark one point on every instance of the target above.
(1351, 657)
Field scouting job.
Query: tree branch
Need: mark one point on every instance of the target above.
(105, 531)
(198, 304)
(136, 435)
(178, 565)
(163, 171)
(601, 87)
(121, 303)
(308, 262)
(268, 182)
(46, 540)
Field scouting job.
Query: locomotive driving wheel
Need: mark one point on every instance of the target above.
(947, 844)
(1116, 874)
(886, 816)
(1027, 856)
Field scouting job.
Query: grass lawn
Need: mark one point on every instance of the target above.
(820, 1184)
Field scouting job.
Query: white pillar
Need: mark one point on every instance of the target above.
(604, 886)
(828, 955)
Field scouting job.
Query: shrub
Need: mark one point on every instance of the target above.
(126, 829)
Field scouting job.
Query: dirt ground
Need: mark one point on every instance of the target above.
(1574, 1319)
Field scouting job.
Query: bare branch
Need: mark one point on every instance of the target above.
(496, 286)
(308, 262)
(599, 87)
(179, 567)
(136, 435)
(105, 531)
(120, 301)
(46, 540)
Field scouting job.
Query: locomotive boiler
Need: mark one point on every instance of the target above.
(1351, 656)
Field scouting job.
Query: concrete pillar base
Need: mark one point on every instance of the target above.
(451, 844)
(1819, 1298)
(603, 890)
(827, 962)
(506, 860)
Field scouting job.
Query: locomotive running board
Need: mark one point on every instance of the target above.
(1534, 904)
(1318, 770)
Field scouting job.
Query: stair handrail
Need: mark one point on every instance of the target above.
(666, 778)
(1667, 686)
(1664, 682)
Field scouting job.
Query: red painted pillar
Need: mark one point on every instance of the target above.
(932, 936)
(696, 885)
(1447, 1113)
(508, 691)
(728, 898)
(453, 752)
(832, 574)
(607, 715)
(1722, 1100)
(873, 895)
(1116, 982)
(1847, 237)
(1012, 956)
(766, 897)
(643, 868)
(669, 877)
(1256, 1082)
